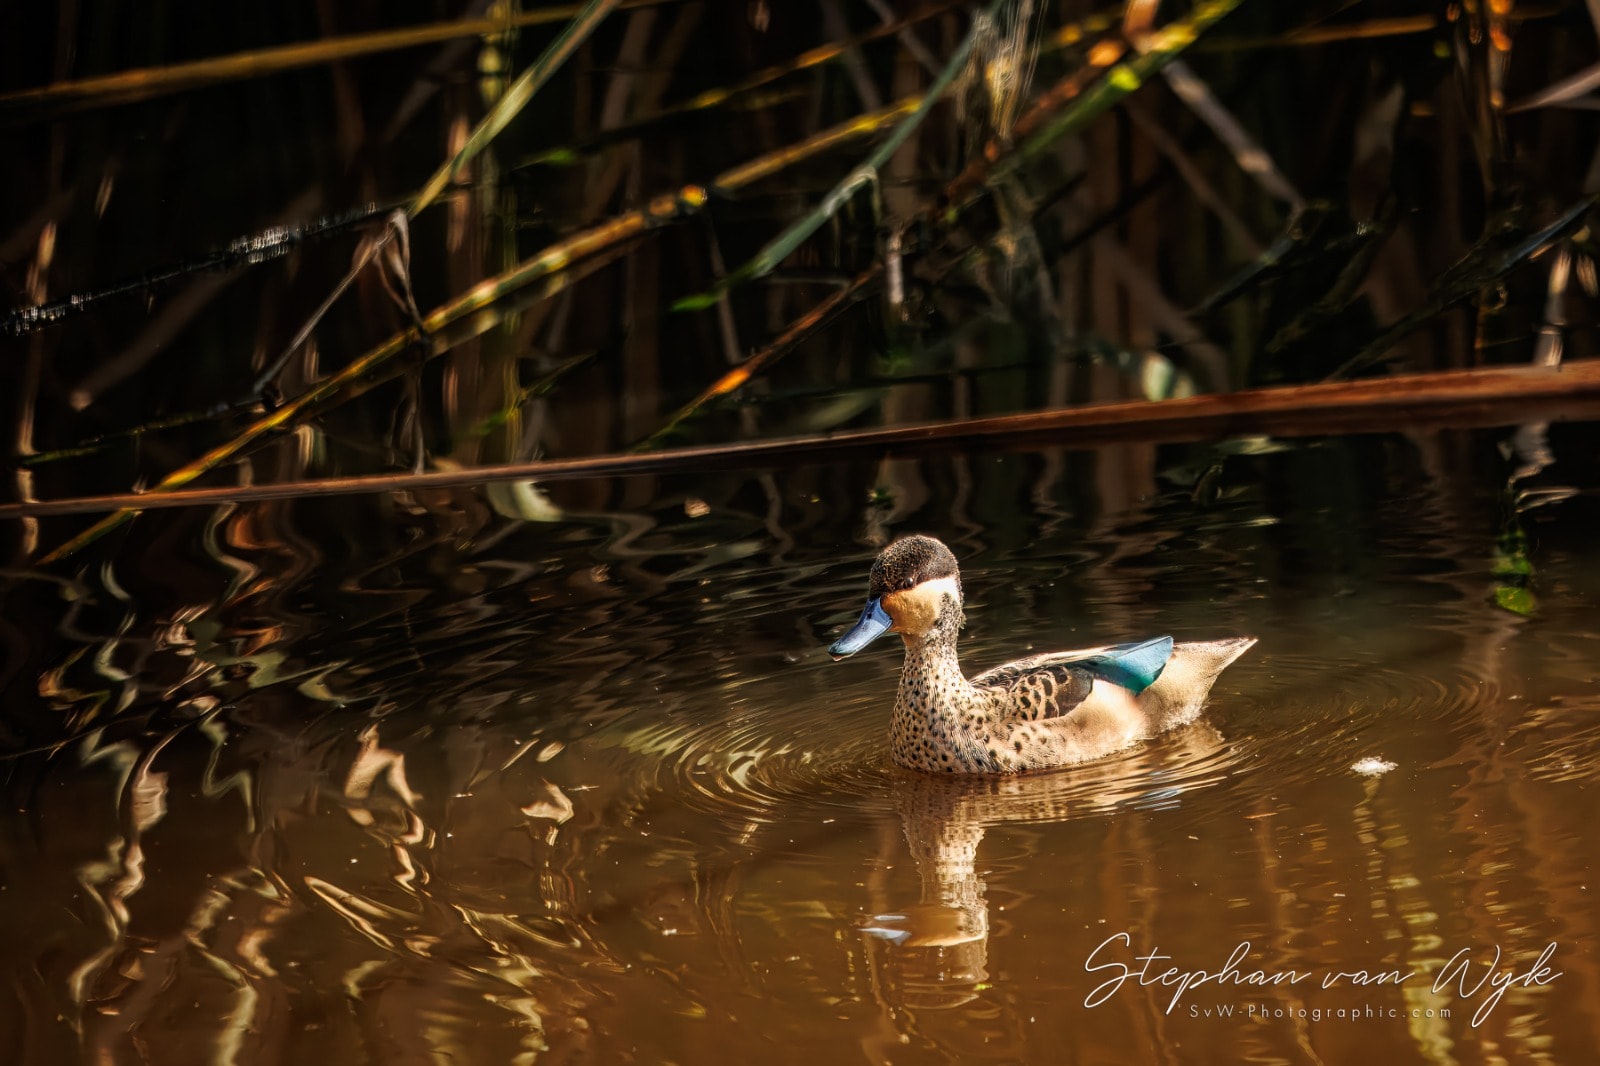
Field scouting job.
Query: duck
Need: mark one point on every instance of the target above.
(1039, 713)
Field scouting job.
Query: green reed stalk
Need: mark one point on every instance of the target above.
(515, 98)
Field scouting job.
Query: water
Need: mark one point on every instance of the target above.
(423, 784)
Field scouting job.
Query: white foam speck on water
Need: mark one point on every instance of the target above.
(1372, 766)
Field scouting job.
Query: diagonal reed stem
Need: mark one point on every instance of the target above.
(801, 328)
(713, 98)
(129, 85)
(1485, 396)
(1126, 78)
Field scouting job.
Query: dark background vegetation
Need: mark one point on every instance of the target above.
(1407, 188)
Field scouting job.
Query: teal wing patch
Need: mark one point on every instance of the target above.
(1134, 667)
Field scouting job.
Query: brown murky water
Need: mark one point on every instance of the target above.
(479, 791)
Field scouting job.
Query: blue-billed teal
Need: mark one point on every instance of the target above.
(1034, 714)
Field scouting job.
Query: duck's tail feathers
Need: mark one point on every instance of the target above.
(1213, 656)
(1182, 689)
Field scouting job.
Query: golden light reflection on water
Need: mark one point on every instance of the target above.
(629, 812)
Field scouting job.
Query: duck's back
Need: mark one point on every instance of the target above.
(1134, 667)
(1070, 707)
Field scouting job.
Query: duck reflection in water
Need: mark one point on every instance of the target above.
(936, 953)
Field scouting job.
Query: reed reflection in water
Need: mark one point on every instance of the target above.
(596, 793)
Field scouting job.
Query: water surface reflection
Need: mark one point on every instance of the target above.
(497, 792)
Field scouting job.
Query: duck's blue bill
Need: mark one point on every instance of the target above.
(873, 623)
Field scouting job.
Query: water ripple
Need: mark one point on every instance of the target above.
(760, 764)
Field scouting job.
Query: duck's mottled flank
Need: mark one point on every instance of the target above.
(1037, 713)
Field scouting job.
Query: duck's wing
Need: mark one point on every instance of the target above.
(1051, 686)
